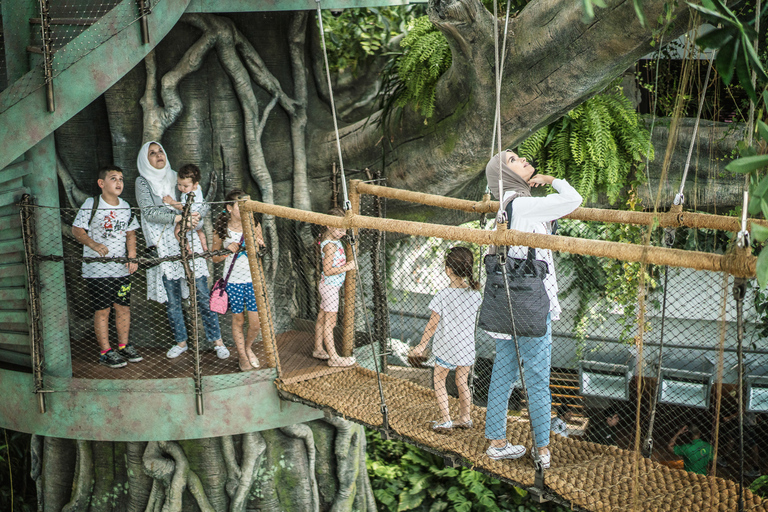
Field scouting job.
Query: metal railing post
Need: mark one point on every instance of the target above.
(45, 24)
(189, 272)
(33, 298)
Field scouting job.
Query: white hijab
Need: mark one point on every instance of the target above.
(162, 181)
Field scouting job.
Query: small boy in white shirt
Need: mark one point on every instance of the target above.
(106, 228)
(188, 180)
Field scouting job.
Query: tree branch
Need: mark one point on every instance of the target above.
(157, 119)
(223, 31)
(254, 447)
(75, 196)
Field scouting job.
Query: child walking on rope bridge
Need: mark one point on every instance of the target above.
(334, 270)
(228, 234)
(106, 227)
(453, 324)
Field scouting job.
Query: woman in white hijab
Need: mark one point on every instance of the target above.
(165, 282)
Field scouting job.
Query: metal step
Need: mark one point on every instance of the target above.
(14, 338)
(11, 294)
(13, 196)
(10, 222)
(9, 246)
(14, 316)
(15, 171)
(13, 270)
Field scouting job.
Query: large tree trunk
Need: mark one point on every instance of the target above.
(554, 62)
(315, 466)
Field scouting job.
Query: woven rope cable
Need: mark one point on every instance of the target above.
(501, 219)
(333, 108)
(669, 238)
(347, 207)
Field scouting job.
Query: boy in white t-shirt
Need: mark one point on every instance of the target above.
(188, 180)
(108, 229)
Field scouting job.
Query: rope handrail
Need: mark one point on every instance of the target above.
(739, 263)
(664, 220)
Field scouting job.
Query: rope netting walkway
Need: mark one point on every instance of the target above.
(669, 385)
(589, 475)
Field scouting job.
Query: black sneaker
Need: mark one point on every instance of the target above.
(131, 354)
(112, 359)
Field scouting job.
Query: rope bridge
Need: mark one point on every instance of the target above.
(686, 376)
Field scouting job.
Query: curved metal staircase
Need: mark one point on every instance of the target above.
(86, 56)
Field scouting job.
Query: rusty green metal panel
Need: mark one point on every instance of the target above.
(148, 410)
(54, 326)
(287, 5)
(27, 122)
(16, 32)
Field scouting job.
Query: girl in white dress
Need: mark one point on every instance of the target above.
(453, 324)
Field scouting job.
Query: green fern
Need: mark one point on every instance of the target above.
(414, 72)
(597, 146)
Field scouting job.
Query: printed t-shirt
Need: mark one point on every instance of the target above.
(109, 227)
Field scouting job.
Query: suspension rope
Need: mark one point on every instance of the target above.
(499, 75)
(501, 220)
(669, 239)
(347, 205)
(374, 355)
(739, 291)
(679, 198)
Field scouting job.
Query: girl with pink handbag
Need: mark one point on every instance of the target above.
(237, 287)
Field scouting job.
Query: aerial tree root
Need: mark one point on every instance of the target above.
(273, 470)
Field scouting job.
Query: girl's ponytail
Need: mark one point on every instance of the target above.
(462, 262)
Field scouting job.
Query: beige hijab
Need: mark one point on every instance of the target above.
(511, 181)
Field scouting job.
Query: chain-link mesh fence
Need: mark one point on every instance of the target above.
(386, 328)
(61, 33)
(422, 364)
(136, 319)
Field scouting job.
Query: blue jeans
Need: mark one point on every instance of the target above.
(176, 315)
(536, 354)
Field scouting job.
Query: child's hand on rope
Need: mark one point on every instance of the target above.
(350, 266)
(416, 357)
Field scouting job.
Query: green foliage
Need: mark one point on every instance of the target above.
(733, 41)
(411, 76)
(752, 162)
(597, 146)
(17, 490)
(406, 478)
(606, 285)
(358, 34)
(760, 486)
(589, 9)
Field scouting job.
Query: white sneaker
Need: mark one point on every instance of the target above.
(222, 352)
(545, 459)
(176, 351)
(510, 451)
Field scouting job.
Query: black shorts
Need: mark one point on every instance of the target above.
(105, 291)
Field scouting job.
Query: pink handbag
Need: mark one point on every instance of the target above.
(219, 301)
